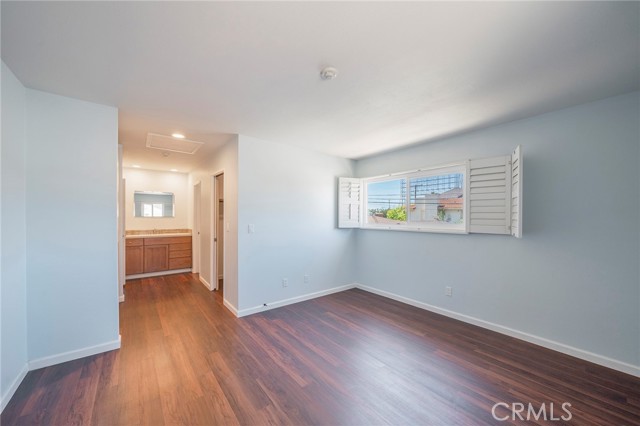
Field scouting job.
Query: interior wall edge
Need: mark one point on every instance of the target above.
(230, 307)
(292, 300)
(75, 354)
(13, 387)
(53, 360)
(205, 283)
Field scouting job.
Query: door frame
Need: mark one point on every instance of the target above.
(195, 235)
(121, 226)
(214, 230)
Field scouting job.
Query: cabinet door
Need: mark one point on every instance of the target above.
(156, 258)
(133, 261)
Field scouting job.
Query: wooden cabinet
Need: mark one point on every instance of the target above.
(134, 254)
(156, 258)
(180, 253)
(158, 254)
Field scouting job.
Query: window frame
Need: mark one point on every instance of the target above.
(461, 167)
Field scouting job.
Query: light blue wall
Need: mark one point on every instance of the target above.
(224, 159)
(72, 289)
(573, 277)
(13, 281)
(289, 195)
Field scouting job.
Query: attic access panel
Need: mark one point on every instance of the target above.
(168, 143)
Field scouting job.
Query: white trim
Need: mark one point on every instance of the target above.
(427, 170)
(157, 274)
(121, 298)
(213, 230)
(280, 303)
(230, 307)
(14, 387)
(196, 231)
(75, 354)
(206, 284)
(531, 338)
(406, 228)
(214, 252)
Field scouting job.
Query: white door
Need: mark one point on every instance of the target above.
(196, 228)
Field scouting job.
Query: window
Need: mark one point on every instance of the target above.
(153, 204)
(152, 210)
(387, 202)
(425, 200)
(475, 196)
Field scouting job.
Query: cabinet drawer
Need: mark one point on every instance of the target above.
(166, 240)
(133, 242)
(180, 247)
(179, 253)
(180, 263)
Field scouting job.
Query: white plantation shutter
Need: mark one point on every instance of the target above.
(516, 192)
(493, 196)
(489, 192)
(349, 202)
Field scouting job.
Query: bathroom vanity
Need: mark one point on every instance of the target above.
(156, 253)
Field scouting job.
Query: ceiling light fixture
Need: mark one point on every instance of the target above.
(177, 135)
(328, 73)
(136, 166)
(174, 170)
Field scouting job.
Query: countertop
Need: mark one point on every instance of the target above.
(183, 234)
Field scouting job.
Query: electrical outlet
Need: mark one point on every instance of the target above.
(285, 282)
(448, 291)
(307, 279)
(251, 228)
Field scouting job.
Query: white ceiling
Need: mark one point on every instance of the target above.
(408, 72)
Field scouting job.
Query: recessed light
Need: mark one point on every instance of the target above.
(136, 166)
(177, 135)
(174, 170)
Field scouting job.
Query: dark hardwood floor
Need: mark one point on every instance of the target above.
(348, 358)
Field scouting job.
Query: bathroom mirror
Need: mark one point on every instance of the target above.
(153, 204)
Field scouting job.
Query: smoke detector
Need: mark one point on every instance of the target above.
(328, 73)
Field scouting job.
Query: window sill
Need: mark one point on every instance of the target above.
(415, 229)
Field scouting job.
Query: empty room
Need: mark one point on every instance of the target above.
(319, 213)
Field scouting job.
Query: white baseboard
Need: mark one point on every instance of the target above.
(279, 303)
(206, 284)
(537, 340)
(157, 274)
(71, 355)
(230, 307)
(13, 388)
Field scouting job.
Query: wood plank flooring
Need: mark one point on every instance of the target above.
(348, 358)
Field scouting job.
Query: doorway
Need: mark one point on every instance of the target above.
(217, 225)
(195, 240)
